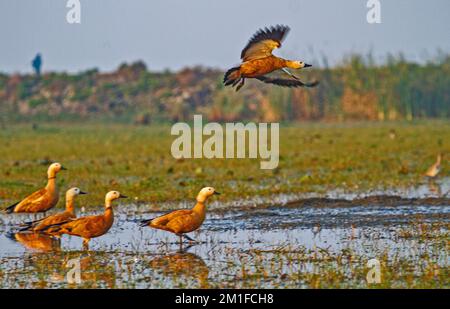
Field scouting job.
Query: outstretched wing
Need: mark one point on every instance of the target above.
(286, 82)
(263, 42)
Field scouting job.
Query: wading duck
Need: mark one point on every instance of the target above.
(183, 221)
(434, 170)
(90, 226)
(69, 213)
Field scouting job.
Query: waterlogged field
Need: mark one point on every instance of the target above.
(315, 159)
(292, 247)
(342, 195)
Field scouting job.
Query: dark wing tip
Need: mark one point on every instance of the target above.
(286, 82)
(145, 222)
(27, 228)
(276, 33)
(10, 209)
(11, 235)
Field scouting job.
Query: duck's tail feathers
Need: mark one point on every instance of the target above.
(145, 222)
(26, 228)
(11, 235)
(10, 209)
(231, 76)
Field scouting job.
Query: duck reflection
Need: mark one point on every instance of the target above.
(434, 188)
(183, 263)
(36, 241)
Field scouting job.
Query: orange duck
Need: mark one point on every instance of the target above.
(69, 213)
(90, 226)
(42, 200)
(258, 61)
(183, 221)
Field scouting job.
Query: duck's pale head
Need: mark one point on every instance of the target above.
(205, 193)
(298, 64)
(54, 168)
(113, 195)
(72, 192)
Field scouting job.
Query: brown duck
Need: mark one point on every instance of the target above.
(434, 169)
(42, 200)
(183, 221)
(90, 226)
(69, 213)
(258, 61)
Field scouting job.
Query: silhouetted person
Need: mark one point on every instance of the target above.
(37, 63)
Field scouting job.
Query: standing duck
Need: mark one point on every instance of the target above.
(42, 200)
(434, 170)
(183, 221)
(69, 213)
(258, 61)
(90, 226)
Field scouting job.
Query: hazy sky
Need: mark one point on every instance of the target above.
(177, 33)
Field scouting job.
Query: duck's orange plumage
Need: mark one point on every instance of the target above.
(258, 61)
(69, 213)
(434, 170)
(43, 199)
(183, 221)
(90, 226)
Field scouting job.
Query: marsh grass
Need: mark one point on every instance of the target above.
(355, 158)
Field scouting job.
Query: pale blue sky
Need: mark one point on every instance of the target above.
(177, 33)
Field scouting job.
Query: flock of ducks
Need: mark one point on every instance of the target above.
(178, 222)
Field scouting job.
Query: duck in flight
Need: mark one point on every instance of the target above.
(258, 61)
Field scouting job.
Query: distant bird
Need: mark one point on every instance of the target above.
(258, 61)
(392, 134)
(69, 213)
(42, 200)
(90, 226)
(434, 170)
(183, 221)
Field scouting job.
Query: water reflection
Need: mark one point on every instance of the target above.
(182, 264)
(36, 241)
(435, 188)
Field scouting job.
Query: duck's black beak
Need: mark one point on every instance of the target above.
(63, 168)
(81, 192)
(216, 193)
(123, 196)
(308, 65)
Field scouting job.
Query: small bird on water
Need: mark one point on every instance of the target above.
(258, 61)
(434, 170)
(42, 200)
(183, 221)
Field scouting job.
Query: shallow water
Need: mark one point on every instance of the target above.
(271, 247)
